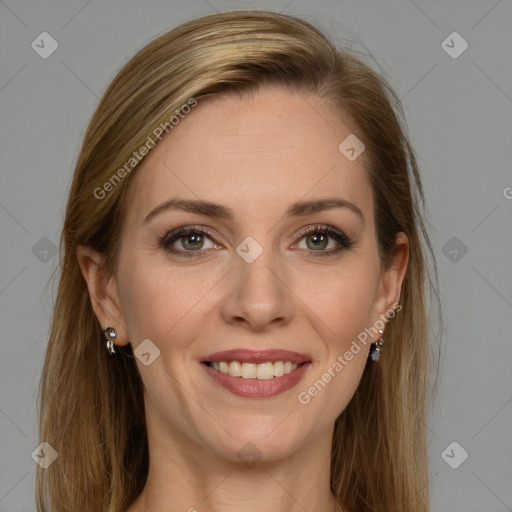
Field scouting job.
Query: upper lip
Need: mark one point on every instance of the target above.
(256, 356)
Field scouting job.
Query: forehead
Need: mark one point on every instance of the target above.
(256, 153)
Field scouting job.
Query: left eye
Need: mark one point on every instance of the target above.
(317, 241)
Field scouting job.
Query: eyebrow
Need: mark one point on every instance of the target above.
(214, 210)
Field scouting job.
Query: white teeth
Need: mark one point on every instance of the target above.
(278, 369)
(249, 371)
(262, 371)
(235, 369)
(265, 371)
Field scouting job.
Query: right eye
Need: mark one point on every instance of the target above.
(188, 241)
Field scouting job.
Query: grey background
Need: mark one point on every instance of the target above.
(460, 119)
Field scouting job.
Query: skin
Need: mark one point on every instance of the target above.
(256, 156)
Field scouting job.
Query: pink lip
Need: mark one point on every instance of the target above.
(256, 388)
(257, 356)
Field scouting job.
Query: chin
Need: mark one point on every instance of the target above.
(256, 441)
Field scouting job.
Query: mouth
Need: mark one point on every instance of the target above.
(256, 374)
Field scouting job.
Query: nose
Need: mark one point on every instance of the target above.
(258, 293)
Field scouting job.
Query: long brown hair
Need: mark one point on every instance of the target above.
(91, 406)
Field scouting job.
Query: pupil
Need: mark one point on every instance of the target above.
(193, 239)
(318, 239)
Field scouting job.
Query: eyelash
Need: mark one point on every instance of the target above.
(169, 238)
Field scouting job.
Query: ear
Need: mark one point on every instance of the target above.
(390, 281)
(102, 292)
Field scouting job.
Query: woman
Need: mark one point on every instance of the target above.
(243, 232)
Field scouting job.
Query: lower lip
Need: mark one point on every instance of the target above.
(258, 388)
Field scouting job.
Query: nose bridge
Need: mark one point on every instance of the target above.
(258, 293)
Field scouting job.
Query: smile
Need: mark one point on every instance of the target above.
(256, 373)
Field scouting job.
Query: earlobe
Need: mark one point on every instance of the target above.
(102, 291)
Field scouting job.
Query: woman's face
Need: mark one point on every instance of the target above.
(271, 262)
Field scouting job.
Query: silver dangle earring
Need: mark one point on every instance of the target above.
(110, 334)
(376, 351)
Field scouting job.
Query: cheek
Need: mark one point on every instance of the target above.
(345, 310)
(142, 296)
(343, 300)
(159, 300)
